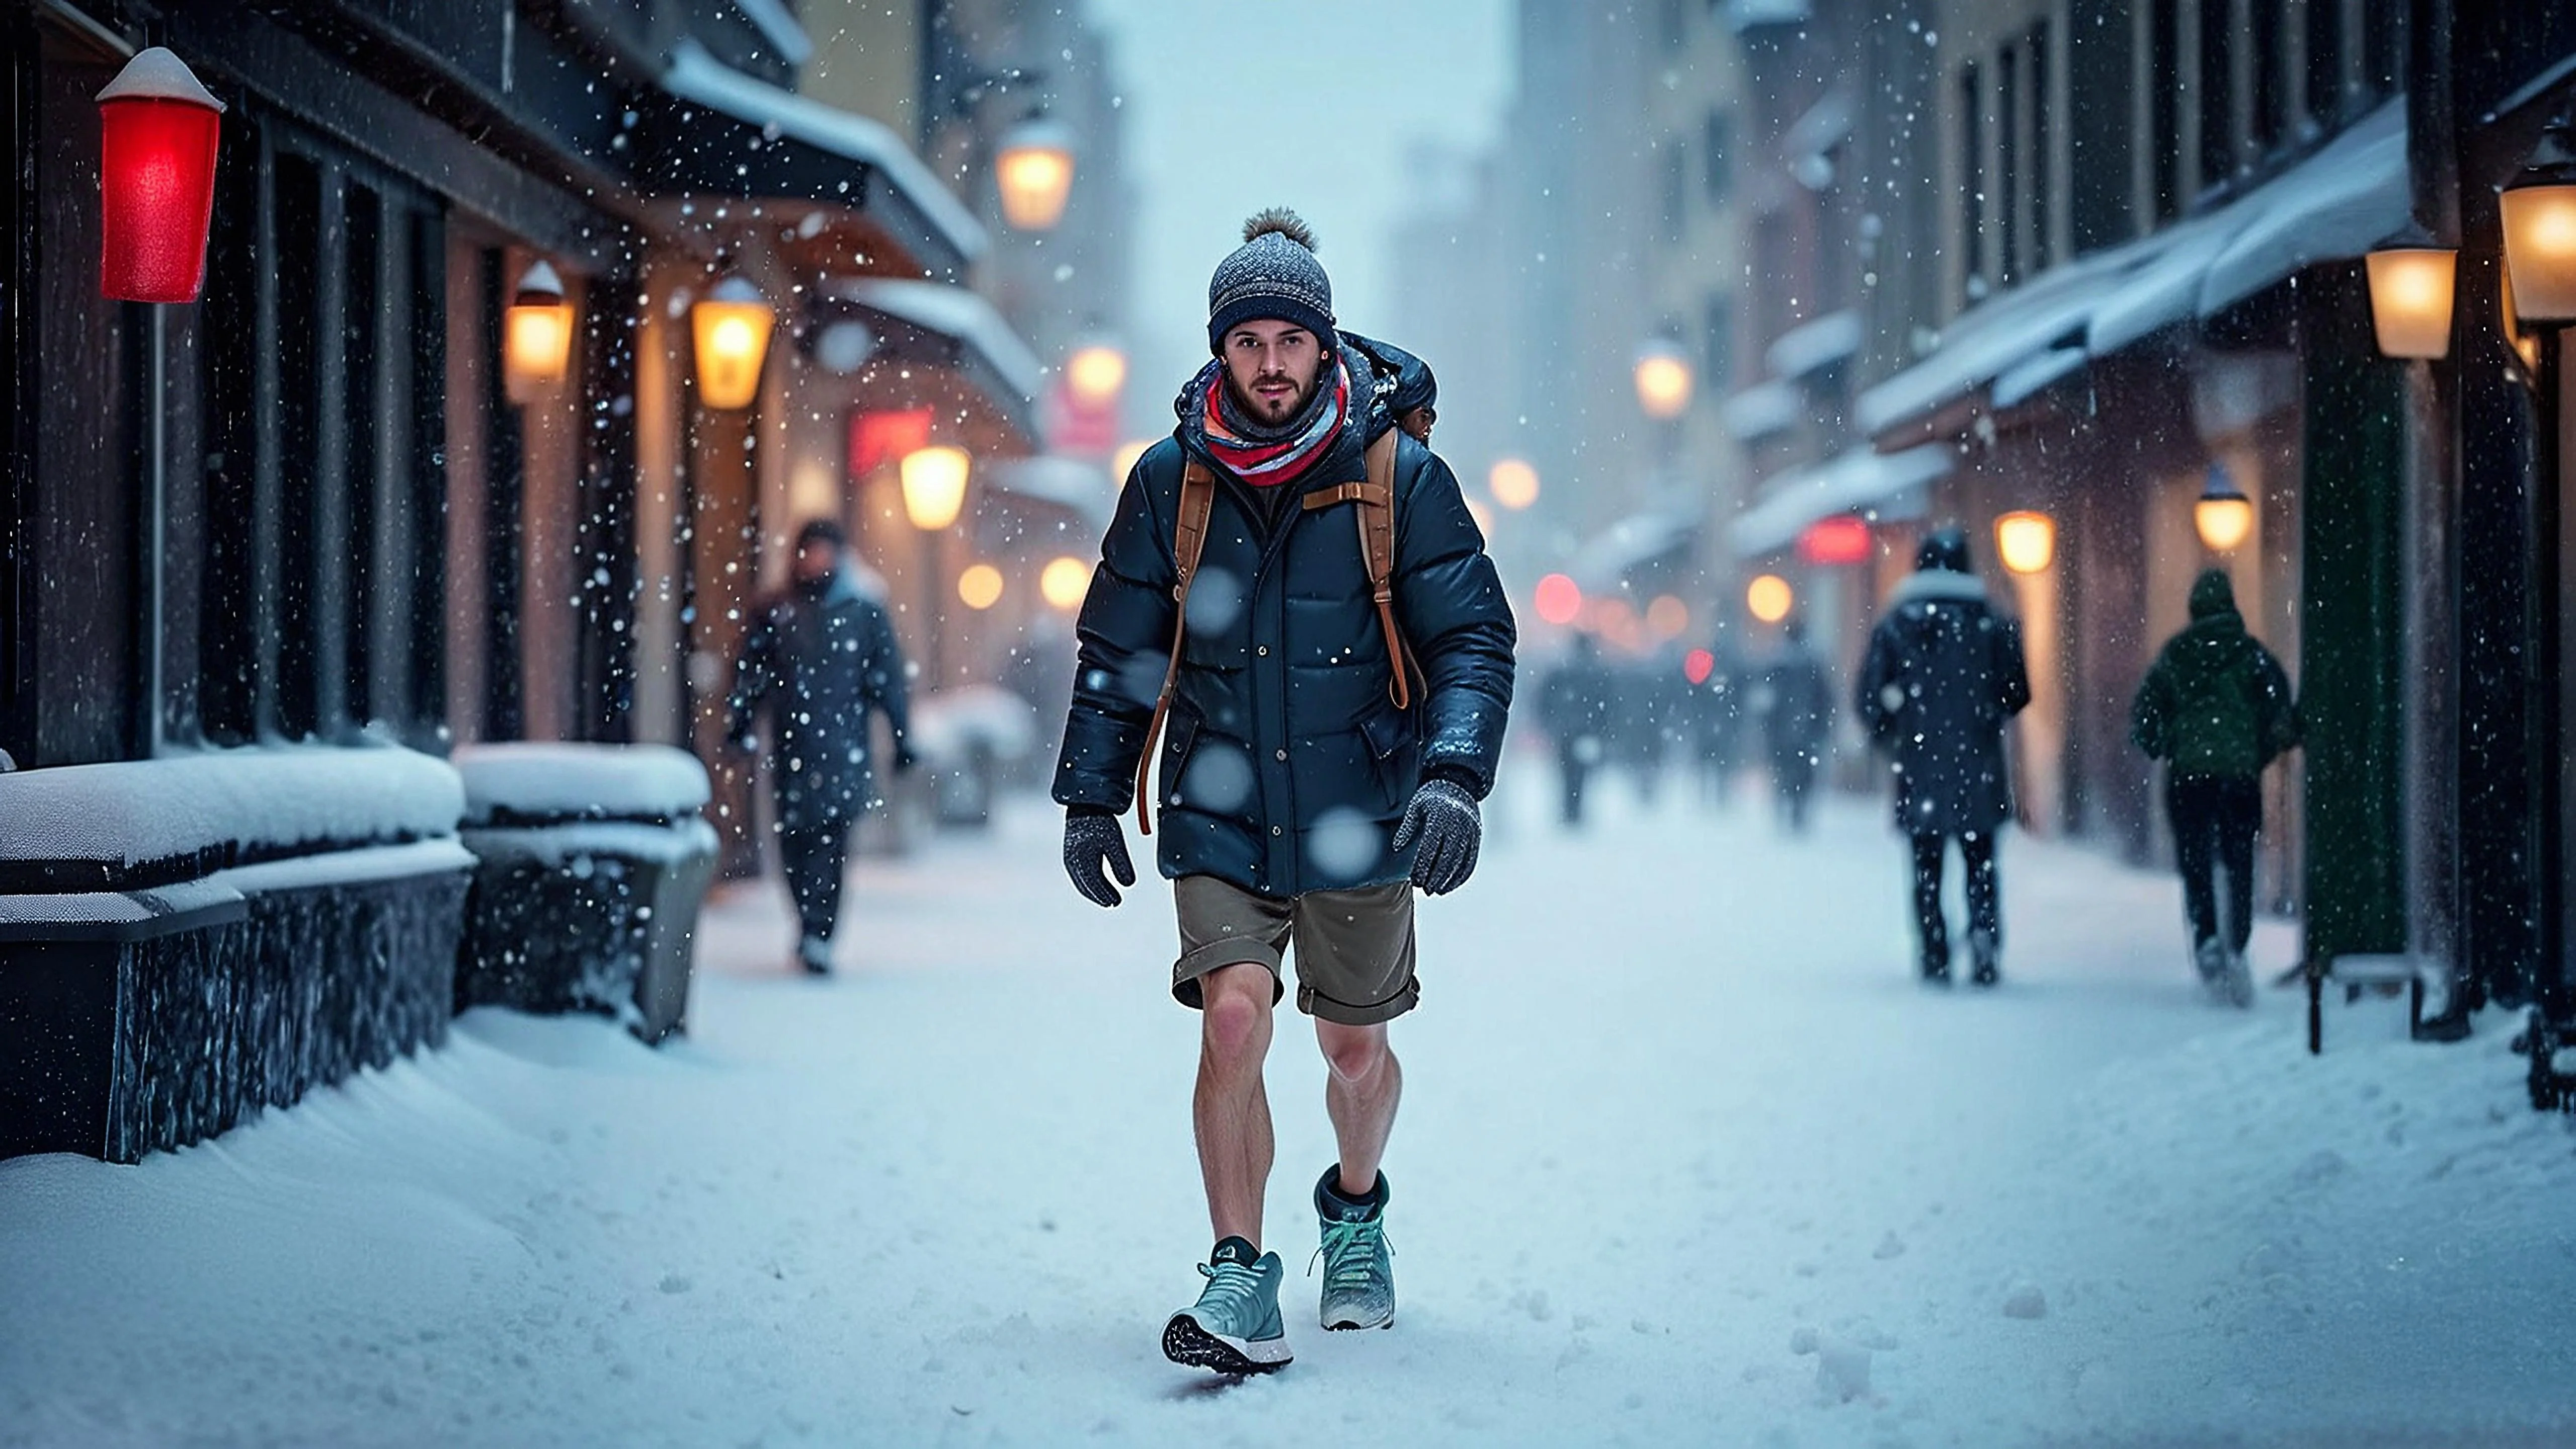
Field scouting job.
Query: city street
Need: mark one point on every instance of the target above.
(1685, 1159)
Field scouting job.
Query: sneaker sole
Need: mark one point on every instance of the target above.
(1188, 1343)
(1351, 1325)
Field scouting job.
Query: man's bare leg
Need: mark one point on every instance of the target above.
(1361, 1089)
(1231, 1109)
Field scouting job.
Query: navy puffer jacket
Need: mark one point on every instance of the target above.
(1943, 673)
(1286, 766)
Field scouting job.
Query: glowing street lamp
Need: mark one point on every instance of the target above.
(536, 343)
(1513, 482)
(158, 128)
(1033, 170)
(1096, 373)
(2540, 230)
(731, 327)
(1559, 599)
(1123, 462)
(2026, 541)
(1663, 378)
(1064, 582)
(980, 587)
(2224, 516)
(934, 486)
(1769, 598)
(2410, 299)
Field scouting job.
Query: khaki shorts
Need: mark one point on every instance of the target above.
(1354, 947)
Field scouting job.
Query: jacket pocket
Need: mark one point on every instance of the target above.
(1395, 752)
(1180, 736)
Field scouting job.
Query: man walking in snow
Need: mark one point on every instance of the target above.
(2216, 709)
(1330, 737)
(1797, 718)
(1574, 709)
(1942, 674)
(820, 659)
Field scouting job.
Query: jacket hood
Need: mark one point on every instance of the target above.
(1937, 585)
(2212, 594)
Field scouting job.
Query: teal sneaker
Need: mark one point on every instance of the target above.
(1359, 1271)
(1234, 1328)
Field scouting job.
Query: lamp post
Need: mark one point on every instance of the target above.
(536, 333)
(730, 326)
(158, 131)
(2026, 541)
(1064, 582)
(1513, 483)
(934, 494)
(1769, 598)
(1033, 171)
(1096, 374)
(2224, 516)
(2411, 289)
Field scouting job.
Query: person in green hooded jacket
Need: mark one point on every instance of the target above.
(2216, 708)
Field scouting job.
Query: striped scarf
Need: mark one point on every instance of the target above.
(1264, 463)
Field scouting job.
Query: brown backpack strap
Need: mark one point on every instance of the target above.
(1189, 540)
(1376, 500)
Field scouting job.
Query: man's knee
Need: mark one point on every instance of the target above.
(1353, 1052)
(1234, 1004)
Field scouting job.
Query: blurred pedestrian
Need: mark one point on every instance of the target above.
(1797, 719)
(1574, 705)
(1293, 580)
(1645, 719)
(2216, 709)
(1717, 721)
(1943, 673)
(820, 660)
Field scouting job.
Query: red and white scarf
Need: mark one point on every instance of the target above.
(1264, 464)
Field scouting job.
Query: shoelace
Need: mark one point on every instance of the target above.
(1349, 1263)
(1231, 1286)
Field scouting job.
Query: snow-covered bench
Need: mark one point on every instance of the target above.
(593, 860)
(186, 940)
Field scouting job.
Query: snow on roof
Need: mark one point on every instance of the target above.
(696, 76)
(1856, 479)
(1744, 15)
(1814, 346)
(778, 25)
(2161, 292)
(554, 781)
(2335, 205)
(952, 312)
(1636, 540)
(1991, 337)
(2035, 373)
(264, 799)
(1084, 487)
(1759, 412)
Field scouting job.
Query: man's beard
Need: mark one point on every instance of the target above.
(1254, 407)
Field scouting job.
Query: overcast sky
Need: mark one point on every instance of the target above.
(1231, 107)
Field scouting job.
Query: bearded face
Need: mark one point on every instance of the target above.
(1273, 368)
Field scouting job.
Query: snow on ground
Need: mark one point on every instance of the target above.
(1685, 1159)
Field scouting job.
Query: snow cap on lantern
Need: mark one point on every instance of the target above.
(158, 128)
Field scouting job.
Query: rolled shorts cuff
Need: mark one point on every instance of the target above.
(1216, 955)
(1342, 1013)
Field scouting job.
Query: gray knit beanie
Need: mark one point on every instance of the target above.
(1273, 275)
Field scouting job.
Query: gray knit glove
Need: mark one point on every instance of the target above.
(1090, 838)
(1443, 817)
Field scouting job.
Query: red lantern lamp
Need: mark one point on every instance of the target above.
(1837, 541)
(156, 180)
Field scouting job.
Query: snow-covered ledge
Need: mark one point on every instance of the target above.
(543, 784)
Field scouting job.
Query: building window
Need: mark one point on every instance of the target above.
(1676, 192)
(2164, 103)
(2042, 162)
(2008, 177)
(2325, 60)
(1717, 163)
(2383, 48)
(1717, 341)
(2271, 95)
(1972, 184)
(2217, 93)
(1676, 23)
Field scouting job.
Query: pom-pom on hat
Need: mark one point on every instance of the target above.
(1273, 275)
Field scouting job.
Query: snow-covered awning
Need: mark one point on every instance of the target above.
(778, 25)
(950, 327)
(784, 144)
(2334, 206)
(1610, 556)
(1813, 346)
(1744, 15)
(1857, 480)
(2034, 374)
(1809, 143)
(1991, 338)
(1760, 412)
(1071, 483)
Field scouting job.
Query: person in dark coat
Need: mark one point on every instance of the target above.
(1717, 722)
(819, 661)
(2216, 709)
(1943, 673)
(1797, 717)
(1574, 708)
(1305, 791)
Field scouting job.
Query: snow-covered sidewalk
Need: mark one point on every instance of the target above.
(1685, 1159)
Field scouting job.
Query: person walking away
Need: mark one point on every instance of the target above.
(1717, 721)
(1796, 722)
(1574, 709)
(2216, 710)
(819, 660)
(1942, 674)
(1334, 656)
